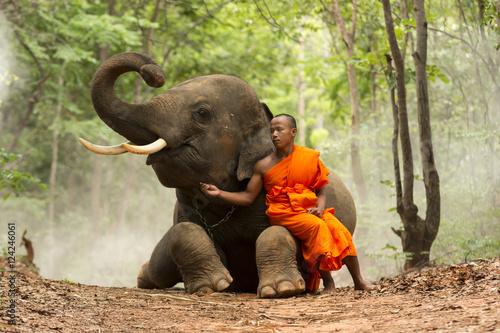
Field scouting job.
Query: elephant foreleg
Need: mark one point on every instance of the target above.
(160, 271)
(197, 259)
(277, 252)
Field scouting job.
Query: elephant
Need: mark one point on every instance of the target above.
(210, 129)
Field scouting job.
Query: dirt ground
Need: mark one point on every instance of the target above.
(458, 298)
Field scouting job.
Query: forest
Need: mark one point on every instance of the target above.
(351, 72)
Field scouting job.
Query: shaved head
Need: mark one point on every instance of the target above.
(290, 119)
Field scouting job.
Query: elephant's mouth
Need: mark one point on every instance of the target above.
(170, 153)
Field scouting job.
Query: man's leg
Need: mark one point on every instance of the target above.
(328, 282)
(352, 264)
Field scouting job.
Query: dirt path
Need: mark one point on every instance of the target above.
(461, 298)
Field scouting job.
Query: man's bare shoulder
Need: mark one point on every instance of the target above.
(265, 164)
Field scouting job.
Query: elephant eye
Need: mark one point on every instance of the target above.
(202, 115)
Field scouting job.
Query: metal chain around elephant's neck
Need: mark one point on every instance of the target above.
(210, 227)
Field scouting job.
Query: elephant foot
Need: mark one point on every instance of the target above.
(283, 288)
(197, 259)
(143, 279)
(159, 271)
(208, 286)
(277, 252)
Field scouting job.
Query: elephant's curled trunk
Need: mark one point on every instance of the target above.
(129, 120)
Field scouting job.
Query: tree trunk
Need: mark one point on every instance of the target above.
(106, 206)
(55, 154)
(96, 192)
(375, 105)
(128, 187)
(31, 107)
(431, 177)
(418, 234)
(98, 159)
(395, 137)
(301, 88)
(348, 38)
(407, 210)
(147, 42)
(129, 183)
(319, 126)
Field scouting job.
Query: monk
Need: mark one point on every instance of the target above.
(294, 179)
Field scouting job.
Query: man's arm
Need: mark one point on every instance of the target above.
(243, 198)
(321, 204)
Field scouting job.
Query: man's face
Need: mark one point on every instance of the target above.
(281, 132)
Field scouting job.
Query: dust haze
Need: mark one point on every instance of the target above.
(6, 59)
(136, 210)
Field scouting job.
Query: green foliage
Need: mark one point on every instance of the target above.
(477, 248)
(65, 280)
(16, 182)
(433, 71)
(65, 39)
(394, 256)
(491, 18)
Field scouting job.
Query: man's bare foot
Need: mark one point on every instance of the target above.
(363, 285)
(328, 282)
(329, 289)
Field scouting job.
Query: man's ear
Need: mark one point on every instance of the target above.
(256, 146)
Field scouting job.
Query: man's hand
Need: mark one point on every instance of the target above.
(316, 211)
(210, 189)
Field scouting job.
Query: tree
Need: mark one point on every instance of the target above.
(348, 36)
(418, 234)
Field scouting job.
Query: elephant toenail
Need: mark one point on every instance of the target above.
(205, 290)
(267, 292)
(285, 287)
(223, 284)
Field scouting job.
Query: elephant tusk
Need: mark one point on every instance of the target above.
(146, 149)
(103, 150)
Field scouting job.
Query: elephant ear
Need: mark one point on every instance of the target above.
(256, 145)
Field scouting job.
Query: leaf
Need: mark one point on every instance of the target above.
(443, 78)
(388, 183)
(389, 246)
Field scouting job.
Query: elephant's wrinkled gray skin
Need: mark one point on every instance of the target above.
(216, 129)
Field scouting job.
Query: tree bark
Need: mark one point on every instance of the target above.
(131, 173)
(95, 196)
(319, 126)
(431, 177)
(301, 88)
(348, 36)
(375, 105)
(395, 137)
(55, 153)
(31, 107)
(106, 200)
(96, 192)
(34, 98)
(407, 206)
(418, 234)
(128, 187)
(146, 49)
(411, 235)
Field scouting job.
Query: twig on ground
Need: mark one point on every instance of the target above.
(190, 300)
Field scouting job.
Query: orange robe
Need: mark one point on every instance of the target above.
(290, 187)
